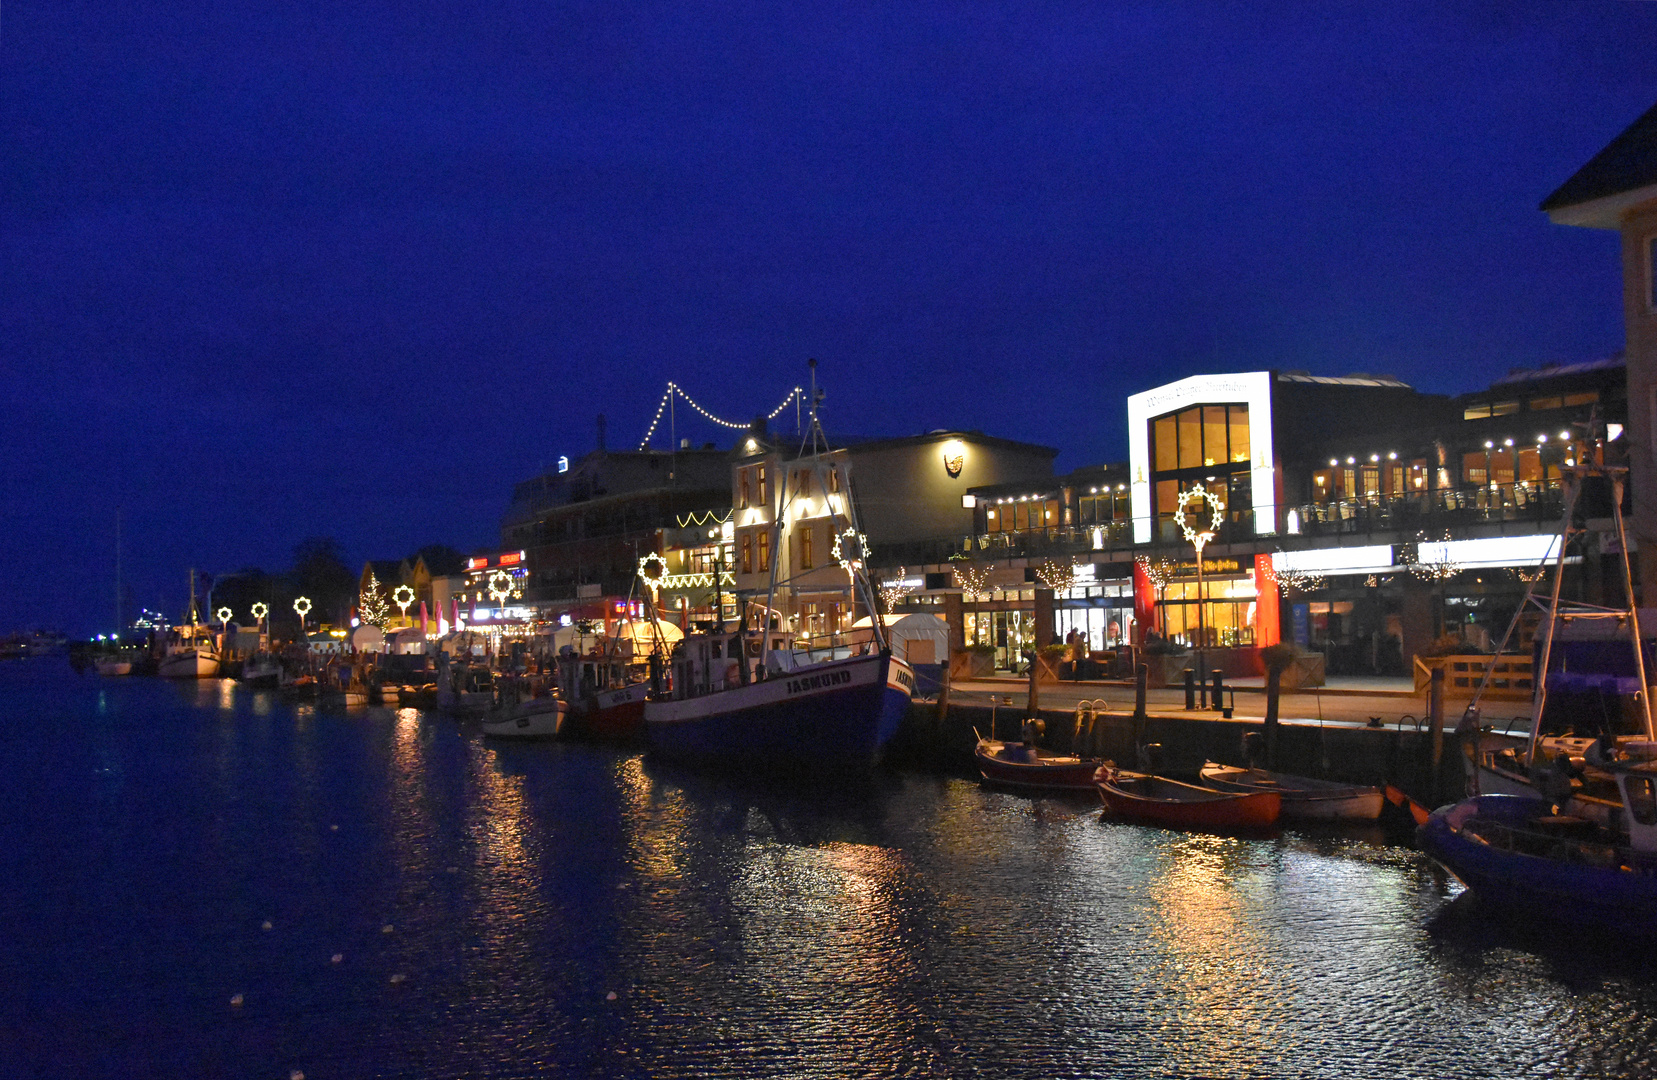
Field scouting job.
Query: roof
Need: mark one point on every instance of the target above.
(1355, 379)
(1627, 166)
(1520, 375)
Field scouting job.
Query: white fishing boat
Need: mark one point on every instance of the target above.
(750, 697)
(525, 708)
(192, 652)
(114, 664)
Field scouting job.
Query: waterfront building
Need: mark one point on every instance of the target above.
(908, 493)
(1617, 190)
(583, 529)
(1340, 509)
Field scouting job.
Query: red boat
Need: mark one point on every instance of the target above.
(1025, 766)
(605, 701)
(1156, 800)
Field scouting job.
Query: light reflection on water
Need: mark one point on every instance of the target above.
(894, 925)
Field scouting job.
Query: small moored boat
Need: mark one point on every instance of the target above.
(1026, 766)
(1157, 800)
(1304, 798)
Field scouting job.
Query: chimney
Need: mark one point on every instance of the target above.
(601, 433)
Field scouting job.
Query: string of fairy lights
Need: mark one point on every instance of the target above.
(796, 394)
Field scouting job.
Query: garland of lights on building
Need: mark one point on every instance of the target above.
(673, 388)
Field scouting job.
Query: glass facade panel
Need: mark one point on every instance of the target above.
(1214, 435)
(1473, 469)
(1190, 440)
(1530, 467)
(1167, 444)
(1239, 424)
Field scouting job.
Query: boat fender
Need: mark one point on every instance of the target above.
(1150, 757)
(1034, 729)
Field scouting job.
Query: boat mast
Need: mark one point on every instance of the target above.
(1573, 483)
(117, 574)
(1633, 604)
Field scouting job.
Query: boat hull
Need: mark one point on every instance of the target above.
(1173, 805)
(611, 715)
(1005, 765)
(1530, 886)
(113, 667)
(1304, 799)
(188, 665)
(540, 719)
(840, 713)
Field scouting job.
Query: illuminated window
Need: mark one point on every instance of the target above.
(1541, 403)
(1167, 445)
(1503, 408)
(1474, 469)
(1588, 397)
(764, 552)
(834, 479)
(1475, 412)
(747, 553)
(805, 547)
(1050, 514)
(761, 492)
(1530, 465)
(1501, 466)
(742, 491)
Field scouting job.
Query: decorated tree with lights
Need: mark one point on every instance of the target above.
(972, 579)
(372, 608)
(1060, 577)
(893, 592)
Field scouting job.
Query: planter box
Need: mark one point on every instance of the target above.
(1304, 670)
(970, 665)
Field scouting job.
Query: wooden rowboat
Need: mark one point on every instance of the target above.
(1021, 765)
(1156, 800)
(1304, 798)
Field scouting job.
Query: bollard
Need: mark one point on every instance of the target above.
(1219, 689)
(1190, 690)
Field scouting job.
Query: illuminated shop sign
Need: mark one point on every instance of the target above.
(477, 563)
(1492, 551)
(1370, 559)
(1253, 389)
(511, 558)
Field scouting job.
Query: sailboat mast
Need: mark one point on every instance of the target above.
(118, 573)
(1633, 606)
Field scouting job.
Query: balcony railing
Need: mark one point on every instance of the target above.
(1443, 509)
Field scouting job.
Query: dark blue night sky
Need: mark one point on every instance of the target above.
(291, 269)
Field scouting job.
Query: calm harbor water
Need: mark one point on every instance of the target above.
(199, 880)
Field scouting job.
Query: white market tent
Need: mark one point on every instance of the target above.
(368, 638)
(918, 638)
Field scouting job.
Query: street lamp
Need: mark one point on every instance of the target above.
(1199, 538)
(302, 606)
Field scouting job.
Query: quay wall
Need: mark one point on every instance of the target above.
(1351, 754)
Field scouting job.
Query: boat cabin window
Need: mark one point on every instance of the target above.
(1642, 799)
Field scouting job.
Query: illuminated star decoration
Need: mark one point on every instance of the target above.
(403, 597)
(1193, 533)
(302, 605)
(652, 571)
(260, 610)
(500, 586)
(850, 549)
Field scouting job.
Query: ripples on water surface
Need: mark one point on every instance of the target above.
(524, 910)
